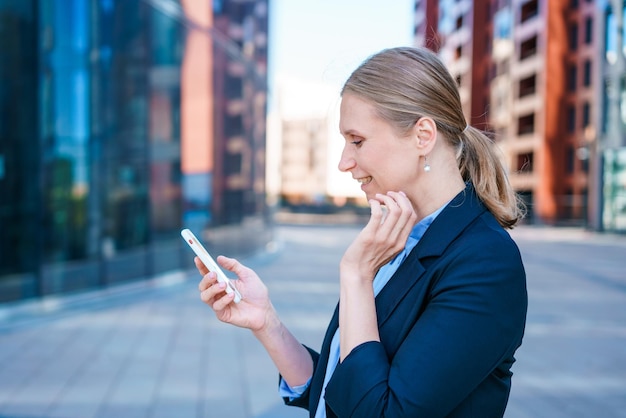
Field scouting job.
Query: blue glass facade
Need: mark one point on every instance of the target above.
(93, 185)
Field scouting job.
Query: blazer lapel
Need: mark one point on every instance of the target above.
(459, 213)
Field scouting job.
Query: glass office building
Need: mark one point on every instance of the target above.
(121, 122)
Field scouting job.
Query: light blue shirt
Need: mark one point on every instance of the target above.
(382, 277)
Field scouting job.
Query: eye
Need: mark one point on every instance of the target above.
(357, 141)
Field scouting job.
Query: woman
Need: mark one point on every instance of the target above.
(432, 295)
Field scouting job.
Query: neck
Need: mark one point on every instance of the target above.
(438, 192)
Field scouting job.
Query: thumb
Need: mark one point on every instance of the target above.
(232, 264)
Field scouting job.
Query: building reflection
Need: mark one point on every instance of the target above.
(123, 122)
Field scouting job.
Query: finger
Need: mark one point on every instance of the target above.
(232, 264)
(378, 212)
(399, 222)
(210, 294)
(403, 203)
(392, 208)
(407, 216)
(200, 266)
(222, 302)
(208, 279)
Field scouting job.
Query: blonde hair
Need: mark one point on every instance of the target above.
(405, 84)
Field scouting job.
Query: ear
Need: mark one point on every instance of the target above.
(425, 134)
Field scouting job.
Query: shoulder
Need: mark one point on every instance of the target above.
(486, 238)
(482, 252)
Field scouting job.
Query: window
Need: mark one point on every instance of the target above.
(527, 86)
(529, 10)
(233, 163)
(525, 163)
(572, 78)
(611, 31)
(528, 48)
(526, 124)
(610, 40)
(605, 114)
(571, 119)
(459, 22)
(233, 125)
(20, 179)
(586, 114)
(587, 73)
(233, 87)
(622, 100)
(573, 37)
(570, 155)
(588, 30)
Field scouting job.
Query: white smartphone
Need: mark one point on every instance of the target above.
(208, 261)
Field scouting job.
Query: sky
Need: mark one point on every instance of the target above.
(320, 42)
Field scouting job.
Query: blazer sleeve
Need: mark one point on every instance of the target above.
(303, 400)
(472, 323)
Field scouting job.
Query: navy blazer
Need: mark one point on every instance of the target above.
(450, 320)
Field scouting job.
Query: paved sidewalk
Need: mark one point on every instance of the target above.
(573, 359)
(154, 350)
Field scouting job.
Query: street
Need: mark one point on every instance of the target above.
(154, 350)
(573, 359)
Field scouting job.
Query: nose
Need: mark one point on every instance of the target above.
(346, 162)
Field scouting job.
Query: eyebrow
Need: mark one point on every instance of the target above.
(350, 132)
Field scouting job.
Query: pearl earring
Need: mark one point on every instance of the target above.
(426, 165)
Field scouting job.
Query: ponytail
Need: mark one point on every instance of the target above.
(480, 164)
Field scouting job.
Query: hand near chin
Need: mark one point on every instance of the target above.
(383, 237)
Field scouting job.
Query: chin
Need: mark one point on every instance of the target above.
(370, 190)
(370, 195)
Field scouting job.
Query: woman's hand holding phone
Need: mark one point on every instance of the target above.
(254, 311)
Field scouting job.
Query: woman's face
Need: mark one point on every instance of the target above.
(375, 155)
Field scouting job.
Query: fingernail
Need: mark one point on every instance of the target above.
(402, 193)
